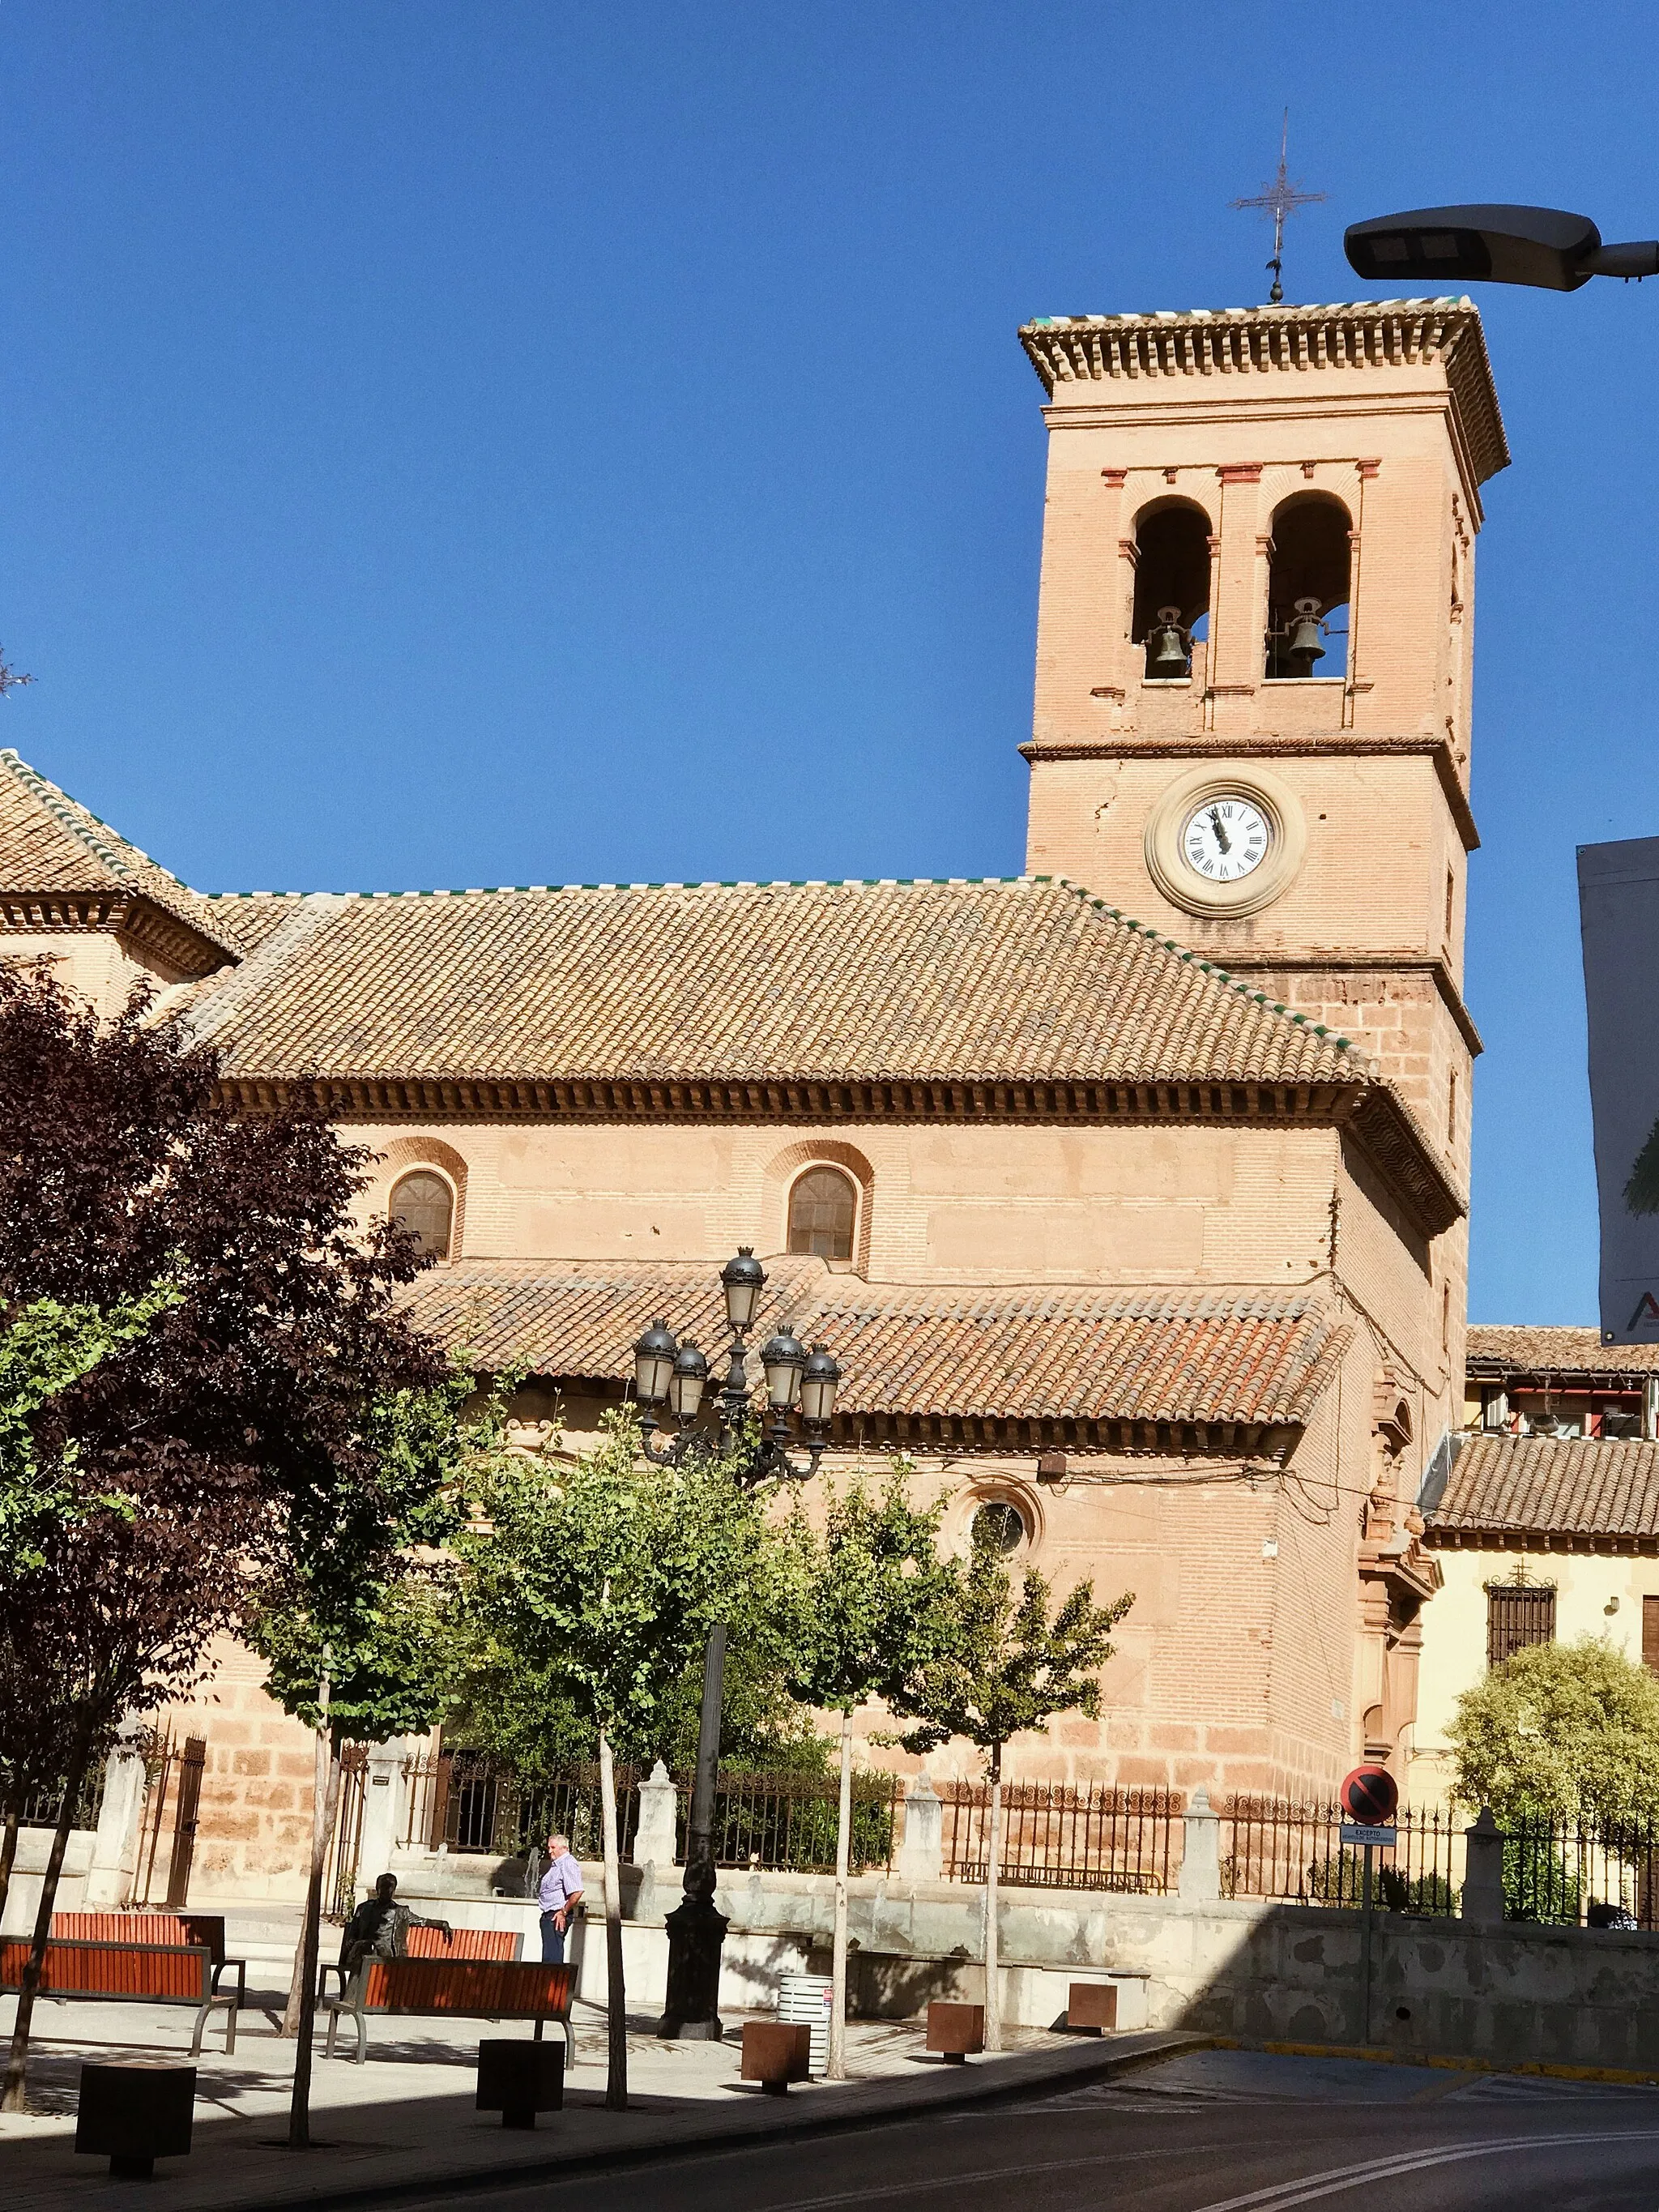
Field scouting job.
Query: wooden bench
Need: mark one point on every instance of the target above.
(190, 1928)
(136, 1974)
(428, 1943)
(457, 1988)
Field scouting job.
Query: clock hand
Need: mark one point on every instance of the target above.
(1221, 836)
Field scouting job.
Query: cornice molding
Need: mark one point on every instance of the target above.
(1123, 745)
(1355, 336)
(121, 914)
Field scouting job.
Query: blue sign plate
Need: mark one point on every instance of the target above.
(1355, 1832)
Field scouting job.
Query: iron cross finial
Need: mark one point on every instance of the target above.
(1280, 198)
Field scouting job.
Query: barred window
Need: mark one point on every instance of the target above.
(1651, 1634)
(423, 1203)
(1517, 1614)
(822, 1207)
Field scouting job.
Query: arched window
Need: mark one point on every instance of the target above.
(823, 1207)
(423, 1203)
(1002, 1523)
(1172, 588)
(1308, 574)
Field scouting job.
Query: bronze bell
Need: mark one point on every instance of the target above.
(1304, 646)
(1168, 654)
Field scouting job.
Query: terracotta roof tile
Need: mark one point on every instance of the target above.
(1550, 1487)
(1024, 979)
(1494, 1349)
(49, 842)
(1021, 1354)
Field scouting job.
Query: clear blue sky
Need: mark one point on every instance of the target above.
(488, 443)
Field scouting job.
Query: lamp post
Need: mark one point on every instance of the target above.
(1547, 247)
(800, 1387)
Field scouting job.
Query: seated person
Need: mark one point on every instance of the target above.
(379, 1927)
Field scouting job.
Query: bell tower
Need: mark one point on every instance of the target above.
(1254, 649)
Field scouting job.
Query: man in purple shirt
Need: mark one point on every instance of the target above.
(561, 1895)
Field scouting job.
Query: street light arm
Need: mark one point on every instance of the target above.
(1637, 258)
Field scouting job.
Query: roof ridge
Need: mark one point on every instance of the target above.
(1223, 976)
(75, 817)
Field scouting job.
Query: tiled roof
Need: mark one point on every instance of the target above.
(1023, 979)
(49, 843)
(1021, 1354)
(1496, 1349)
(1563, 1486)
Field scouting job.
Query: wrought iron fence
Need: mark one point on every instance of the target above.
(787, 1821)
(1606, 1874)
(1063, 1836)
(470, 1802)
(43, 1807)
(1273, 1847)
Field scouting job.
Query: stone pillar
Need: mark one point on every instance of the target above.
(921, 1855)
(115, 1843)
(385, 1807)
(654, 1838)
(1481, 1899)
(1200, 1858)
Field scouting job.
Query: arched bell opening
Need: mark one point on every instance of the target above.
(1309, 572)
(1172, 588)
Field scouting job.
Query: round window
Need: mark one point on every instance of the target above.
(1001, 1524)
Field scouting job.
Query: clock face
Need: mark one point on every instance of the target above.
(1225, 839)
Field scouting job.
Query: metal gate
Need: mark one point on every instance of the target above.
(173, 1780)
(346, 1843)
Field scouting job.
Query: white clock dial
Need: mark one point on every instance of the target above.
(1225, 839)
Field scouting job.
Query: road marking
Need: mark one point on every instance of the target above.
(1284, 2194)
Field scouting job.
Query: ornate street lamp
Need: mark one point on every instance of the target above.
(800, 1386)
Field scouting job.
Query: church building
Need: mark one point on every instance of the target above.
(1129, 1193)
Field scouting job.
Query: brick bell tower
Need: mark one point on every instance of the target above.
(1254, 650)
(1255, 646)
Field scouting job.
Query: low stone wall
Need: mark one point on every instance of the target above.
(1262, 1971)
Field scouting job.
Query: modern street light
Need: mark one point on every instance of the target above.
(1543, 246)
(800, 1386)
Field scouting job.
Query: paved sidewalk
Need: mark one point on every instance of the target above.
(407, 2118)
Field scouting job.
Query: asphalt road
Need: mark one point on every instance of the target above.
(1213, 2131)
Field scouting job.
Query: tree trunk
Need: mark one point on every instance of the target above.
(8, 1851)
(836, 2070)
(14, 2098)
(615, 2085)
(993, 1976)
(325, 1803)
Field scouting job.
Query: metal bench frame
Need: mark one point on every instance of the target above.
(207, 1999)
(352, 2002)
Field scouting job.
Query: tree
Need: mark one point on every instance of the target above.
(355, 1638)
(1562, 1734)
(239, 1431)
(607, 1575)
(44, 1349)
(1007, 1667)
(876, 1613)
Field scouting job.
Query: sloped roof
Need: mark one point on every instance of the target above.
(1024, 979)
(50, 844)
(1567, 1487)
(1495, 1349)
(1022, 1353)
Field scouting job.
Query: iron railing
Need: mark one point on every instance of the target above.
(42, 1809)
(468, 1802)
(1605, 1872)
(1273, 1847)
(787, 1822)
(1065, 1836)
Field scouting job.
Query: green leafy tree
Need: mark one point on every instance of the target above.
(44, 1349)
(607, 1575)
(1561, 1734)
(351, 1627)
(1008, 1666)
(878, 1612)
